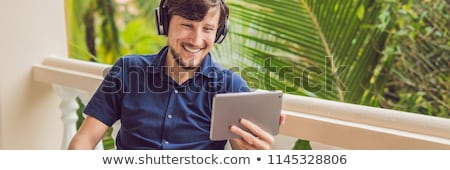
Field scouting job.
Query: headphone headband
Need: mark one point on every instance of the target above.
(162, 21)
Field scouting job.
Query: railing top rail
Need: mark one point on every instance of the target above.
(392, 119)
(334, 123)
(68, 72)
(76, 65)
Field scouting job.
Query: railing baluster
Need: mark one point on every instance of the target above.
(69, 116)
(69, 108)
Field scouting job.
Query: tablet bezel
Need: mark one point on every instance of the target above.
(260, 107)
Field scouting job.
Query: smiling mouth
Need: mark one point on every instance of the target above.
(191, 49)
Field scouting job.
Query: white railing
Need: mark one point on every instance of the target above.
(70, 79)
(336, 124)
(361, 127)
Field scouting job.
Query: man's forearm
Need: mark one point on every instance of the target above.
(80, 143)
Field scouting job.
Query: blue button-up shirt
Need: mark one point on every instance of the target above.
(155, 111)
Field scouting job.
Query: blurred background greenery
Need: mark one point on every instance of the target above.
(382, 53)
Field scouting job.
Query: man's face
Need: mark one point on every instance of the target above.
(190, 41)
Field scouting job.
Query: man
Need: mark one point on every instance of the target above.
(164, 101)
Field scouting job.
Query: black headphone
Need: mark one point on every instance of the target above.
(162, 22)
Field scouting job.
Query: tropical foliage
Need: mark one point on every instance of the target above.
(383, 53)
(380, 53)
(104, 30)
(325, 49)
(419, 48)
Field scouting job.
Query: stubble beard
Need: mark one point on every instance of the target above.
(180, 62)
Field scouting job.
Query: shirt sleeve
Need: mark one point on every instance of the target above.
(106, 102)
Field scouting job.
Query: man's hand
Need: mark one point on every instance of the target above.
(256, 138)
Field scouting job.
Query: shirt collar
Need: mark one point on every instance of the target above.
(207, 69)
(159, 61)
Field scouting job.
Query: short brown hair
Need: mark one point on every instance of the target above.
(196, 10)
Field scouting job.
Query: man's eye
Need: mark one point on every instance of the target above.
(209, 29)
(187, 25)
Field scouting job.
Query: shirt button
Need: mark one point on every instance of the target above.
(166, 142)
(169, 116)
(176, 91)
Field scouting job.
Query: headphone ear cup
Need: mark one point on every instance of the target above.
(159, 26)
(222, 32)
(161, 19)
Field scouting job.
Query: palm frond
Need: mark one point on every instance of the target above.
(330, 48)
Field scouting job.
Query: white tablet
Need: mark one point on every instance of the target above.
(260, 107)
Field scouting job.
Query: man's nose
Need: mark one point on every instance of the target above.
(197, 38)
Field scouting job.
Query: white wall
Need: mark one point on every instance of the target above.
(1, 77)
(30, 30)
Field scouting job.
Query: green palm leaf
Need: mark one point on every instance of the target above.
(321, 48)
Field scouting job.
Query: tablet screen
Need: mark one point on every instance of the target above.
(263, 108)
